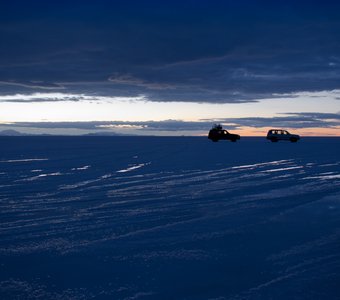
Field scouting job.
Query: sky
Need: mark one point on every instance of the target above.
(170, 67)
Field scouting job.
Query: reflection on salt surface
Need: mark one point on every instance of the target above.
(78, 184)
(106, 176)
(330, 165)
(284, 175)
(134, 167)
(23, 160)
(80, 168)
(324, 177)
(282, 169)
(40, 176)
(275, 162)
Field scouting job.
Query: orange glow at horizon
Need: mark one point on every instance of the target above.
(314, 131)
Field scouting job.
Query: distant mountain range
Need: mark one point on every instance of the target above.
(11, 132)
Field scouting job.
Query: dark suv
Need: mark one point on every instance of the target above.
(217, 133)
(276, 135)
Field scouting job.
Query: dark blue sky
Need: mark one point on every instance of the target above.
(210, 51)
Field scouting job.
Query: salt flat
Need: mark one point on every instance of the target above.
(169, 218)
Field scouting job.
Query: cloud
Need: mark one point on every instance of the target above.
(288, 120)
(335, 94)
(34, 85)
(84, 92)
(195, 51)
(166, 125)
(43, 97)
(128, 79)
(57, 97)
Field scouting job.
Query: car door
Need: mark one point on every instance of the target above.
(285, 135)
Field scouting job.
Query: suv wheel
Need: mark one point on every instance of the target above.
(274, 140)
(293, 140)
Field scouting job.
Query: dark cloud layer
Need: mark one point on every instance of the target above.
(205, 51)
(290, 120)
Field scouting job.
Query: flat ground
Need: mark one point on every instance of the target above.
(169, 218)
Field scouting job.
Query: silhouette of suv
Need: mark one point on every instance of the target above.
(217, 133)
(276, 135)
